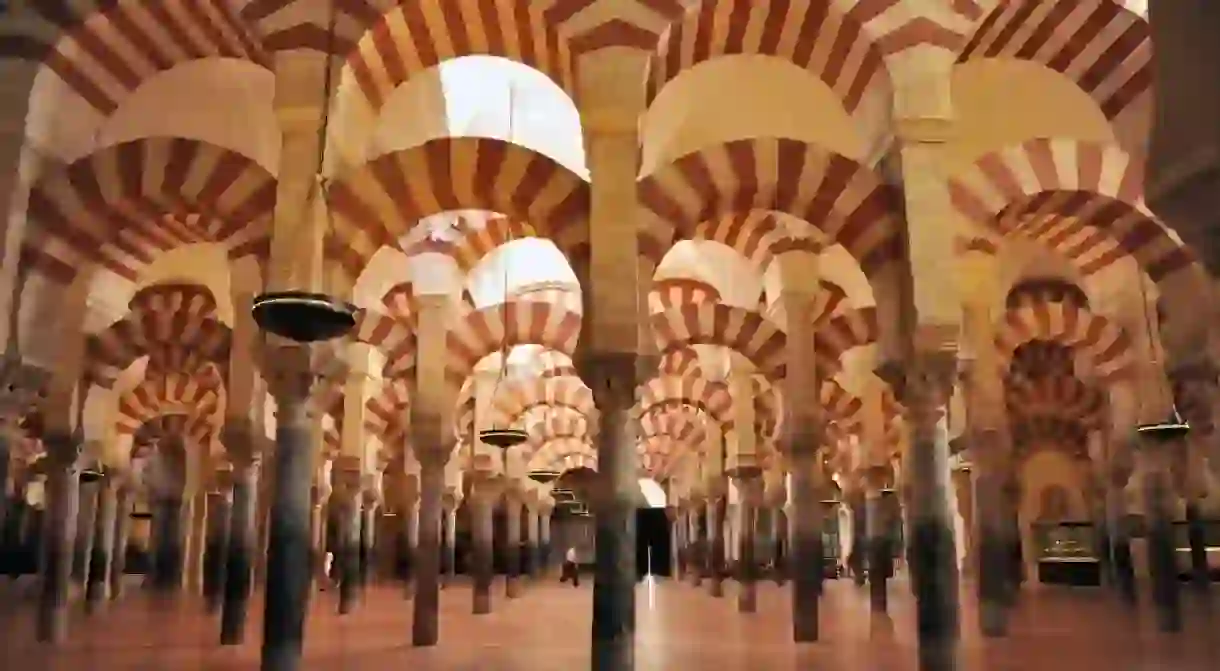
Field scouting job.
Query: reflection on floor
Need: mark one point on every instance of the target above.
(679, 627)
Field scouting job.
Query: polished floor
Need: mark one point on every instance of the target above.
(679, 627)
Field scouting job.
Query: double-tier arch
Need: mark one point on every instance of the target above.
(491, 329)
(1103, 343)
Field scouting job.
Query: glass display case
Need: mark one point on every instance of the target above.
(1067, 553)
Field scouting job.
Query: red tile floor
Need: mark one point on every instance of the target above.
(679, 627)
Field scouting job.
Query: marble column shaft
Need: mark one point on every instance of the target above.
(483, 537)
(97, 587)
(214, 550)
(747, 565)
(85, 531)
(805, 534)
(450, 548)
(168, 540)
(348, 515)
(858, 556)
(698, 566)
(1200, 571)
(530, 563)
(879, 549)
(239, 559)
(425, 626)
(994, 551)
(58, 537)
(288, 553)
(122, 533)
(1162, 565)
(367, 542)
(716, 508)
(512, 545)
(1120, 543)
(408, 546)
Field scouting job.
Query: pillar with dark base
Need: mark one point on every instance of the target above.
(857, 558)
(408, 543)
(288, 547)
(924, 387)
(612, 376)
(122, 531)
(1120, 537)
(97, 587)
(545, 558)
(239, 559)
(425, 625)
(368, 536)
(805, 534)
(750, 486)
(215, 542)
(59, 535)
(993, 546)
(716, 508)
(483, 498)
(698, 555)
(512, 544)
(1200, 572)
(878, 549)
(529, 564)
(1015, 574)
(167, 545)
(1162, 566)
(82, 549)
(779, 532)
(448, 551)
(346, 499)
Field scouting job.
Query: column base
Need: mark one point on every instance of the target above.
(747, 601)
(512, 587)
(482, 603)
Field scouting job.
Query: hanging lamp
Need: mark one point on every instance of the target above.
(305, 316)
(1173, 427)
(504, 437)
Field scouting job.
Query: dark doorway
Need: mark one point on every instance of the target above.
(653, 545)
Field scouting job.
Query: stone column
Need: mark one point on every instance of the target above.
(452, 501)
(1156, 459)
(512, 544)
(924, 389)
(196, 541)
(425, 626)
(8, 435)
(214, 548)
(750, 486)
(805, 537)
(857, 557)
(85, 531)
(1195, 390)
(167, 543)
(1200, 571)
(994, 553)
(779, 531)
(409, 534)
(878, 547)
(532, 565)
(544, 533)
(58, 536)
(346, 498)
(288, 552)
(239, 559)
(612, 376)
(695, 521)
(96, 590)
(368, 535)
(677, 521)
(716, 506)
(1120, 535)
(485, 492)
(122, 531)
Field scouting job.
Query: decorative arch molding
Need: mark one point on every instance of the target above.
(198, 399)
(1056, 397)
(478, 239)
(713, 398)
(486, 331)
(389, 335)
(521, 395)
(1082, 199)
(563, 454)
(387, 409)
(676, 292)
(1065, 36)
(744, 331)
(121, 206)
(571, 424)
(843, 333)
(104, 51)
(679, 362)
(830, 44)
(1106, 346)
(380, 202)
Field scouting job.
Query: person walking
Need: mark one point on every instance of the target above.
(571, 570)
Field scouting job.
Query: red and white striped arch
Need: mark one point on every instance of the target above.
(192, 431)
(400, 304)
(1084, 200)
(678, 426)
(563, 454)
(1033, 434)
(490, 329)
(328, 396)
(673, 292)
(388, 43)
(380, 202)
(557, 425)
(332, 440)
(170, 394)
(104, 51)
(847, 201)
(713, 398)
(388, 408)
(477, 242)
(561, 294)
(843, 333)
(123, 205)
(657, 455)
(679, 362)
(1102, 342)
(1098, 44)
(831, 44)
(757, 235)
(826, 303)
(521, 395)
(1056, 396)
(174, 324)
(841, 406)
(389, 335)
(744, 331)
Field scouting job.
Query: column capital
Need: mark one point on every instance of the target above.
(289, 370)
(451, 499)
(63, 449)
(612, 377)
(925, 382)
